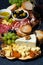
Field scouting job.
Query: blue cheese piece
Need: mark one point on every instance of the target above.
(31, 42)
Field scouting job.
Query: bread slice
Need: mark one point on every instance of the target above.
(27, 5)
(26, 29)
(12, 7)
(39, 35)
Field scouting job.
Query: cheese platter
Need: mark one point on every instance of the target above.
(19, 41)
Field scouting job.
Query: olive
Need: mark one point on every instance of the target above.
(20, 12)
(15, 15)
(12, 31)
(23, 14)
(14, 12)
(2, 35)
(9, 30)
(19, 17)
(10, 16)
(17, 12)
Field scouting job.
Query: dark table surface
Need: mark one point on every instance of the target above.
(4, 61)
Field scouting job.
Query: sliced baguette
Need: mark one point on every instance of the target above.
(39, 35)
(12, 7)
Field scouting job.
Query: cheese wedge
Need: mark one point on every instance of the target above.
(31, 42)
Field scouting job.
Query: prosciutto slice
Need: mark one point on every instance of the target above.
(19, 24)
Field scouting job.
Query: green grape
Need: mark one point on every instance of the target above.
(10, 20)
(8, 37)
(4, 38)
(6, 18)
(16, 37)
(10, 34)
(13, 34)
(13, 37)
(13, 41)
(9, 41)
(5, 35)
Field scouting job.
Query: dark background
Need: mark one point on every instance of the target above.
(39, 7)
(4, 4)
(37, 61)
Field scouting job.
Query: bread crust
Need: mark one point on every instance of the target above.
(10, 58)
(24, 58)
(26, 29)
(12, 7)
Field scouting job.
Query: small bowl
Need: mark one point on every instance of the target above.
(5, 10)
(22, 18)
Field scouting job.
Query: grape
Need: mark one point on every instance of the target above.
(10, 20)
(13, 34)
(6, 18)
(4, 38)
(10, 34)
(9, 41)
(8, 37)
(13, 37)
(5, 35)
(15, 15)
(13, 41)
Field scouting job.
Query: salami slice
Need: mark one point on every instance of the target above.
(4, 28)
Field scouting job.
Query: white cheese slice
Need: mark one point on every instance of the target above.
(7, 53)
(30, 43)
